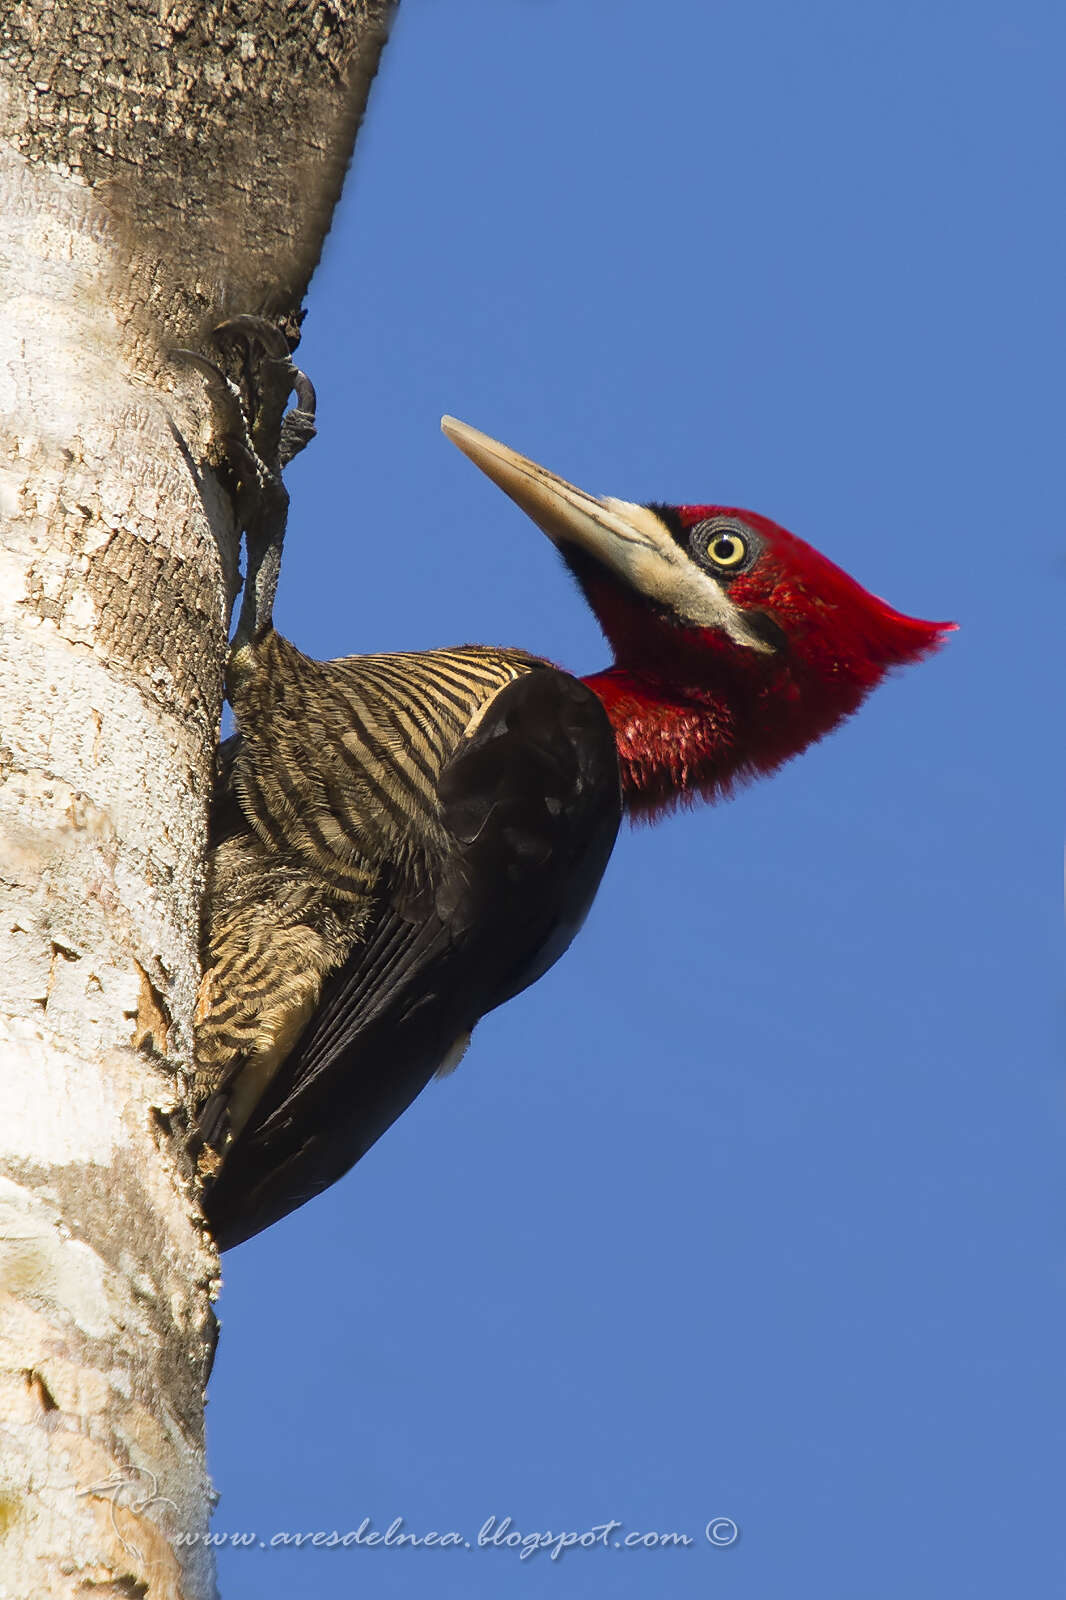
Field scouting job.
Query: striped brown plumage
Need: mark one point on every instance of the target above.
(333, 778)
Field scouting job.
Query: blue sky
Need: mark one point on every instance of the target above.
(751, 1208)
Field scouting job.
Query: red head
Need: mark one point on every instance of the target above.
(735, 644)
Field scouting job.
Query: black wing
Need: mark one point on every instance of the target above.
(532, 802)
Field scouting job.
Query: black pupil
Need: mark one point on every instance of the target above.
(725, 547)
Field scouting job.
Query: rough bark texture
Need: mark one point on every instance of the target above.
(161, 166)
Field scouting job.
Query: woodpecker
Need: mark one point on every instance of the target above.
(400, 843)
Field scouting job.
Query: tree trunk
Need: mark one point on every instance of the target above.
(161, 167)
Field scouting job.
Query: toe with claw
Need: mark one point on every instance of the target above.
(251, 388)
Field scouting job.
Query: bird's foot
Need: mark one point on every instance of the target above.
(250, 389)
(267, 377)
(251, 386)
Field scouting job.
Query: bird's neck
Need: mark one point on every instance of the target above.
(671, 748)
(678, 743)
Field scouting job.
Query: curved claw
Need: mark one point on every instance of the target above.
(225, 390)
(258, 330)
(179, 353)
(298, 425)
(304, 390)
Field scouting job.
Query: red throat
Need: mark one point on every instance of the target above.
(671, 750)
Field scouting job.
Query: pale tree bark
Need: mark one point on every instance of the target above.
(162, 165)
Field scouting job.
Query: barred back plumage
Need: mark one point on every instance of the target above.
(340, 760)
(331, 784)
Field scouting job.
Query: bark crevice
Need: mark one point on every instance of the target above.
(161, 168)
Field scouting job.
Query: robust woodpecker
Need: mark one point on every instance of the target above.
(401, 843)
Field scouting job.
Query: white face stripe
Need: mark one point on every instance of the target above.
(658, 567)
(624, 538)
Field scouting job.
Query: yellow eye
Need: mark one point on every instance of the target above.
(726, 549)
